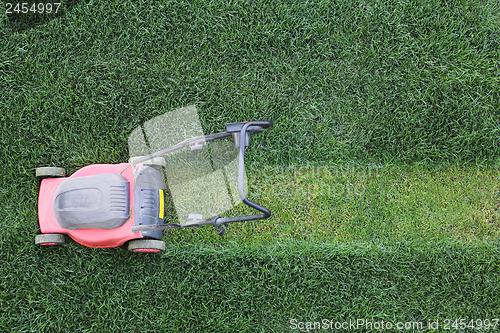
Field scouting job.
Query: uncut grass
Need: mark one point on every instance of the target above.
(245, 288)
(408, 82)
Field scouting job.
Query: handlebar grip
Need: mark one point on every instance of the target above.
(257, 126)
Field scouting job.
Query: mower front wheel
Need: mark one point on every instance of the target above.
(146, 246)
(50, 172)
(50, 239)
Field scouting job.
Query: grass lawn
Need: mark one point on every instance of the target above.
(381, 169)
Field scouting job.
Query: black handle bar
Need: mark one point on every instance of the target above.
(241, 172)
(221, 222)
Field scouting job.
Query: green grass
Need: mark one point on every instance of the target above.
(247, 289)
(411, 81)
(381, 169)
(353, 204)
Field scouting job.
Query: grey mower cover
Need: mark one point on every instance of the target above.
(98, 201)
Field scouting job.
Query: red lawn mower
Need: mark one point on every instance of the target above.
(108, 205)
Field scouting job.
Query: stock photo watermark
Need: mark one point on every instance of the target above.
(327, 180)
(459, 324)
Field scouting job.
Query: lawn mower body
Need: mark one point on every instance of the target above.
(98, 205)
(108, 205)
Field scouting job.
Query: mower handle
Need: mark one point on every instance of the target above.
(259, 127)
(189, 142)
(219, 222)
(236, 127)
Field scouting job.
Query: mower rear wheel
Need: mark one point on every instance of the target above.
(50, 172)
(50, 239)
(146, 246)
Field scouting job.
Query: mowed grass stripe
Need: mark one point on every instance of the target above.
(366, 203)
